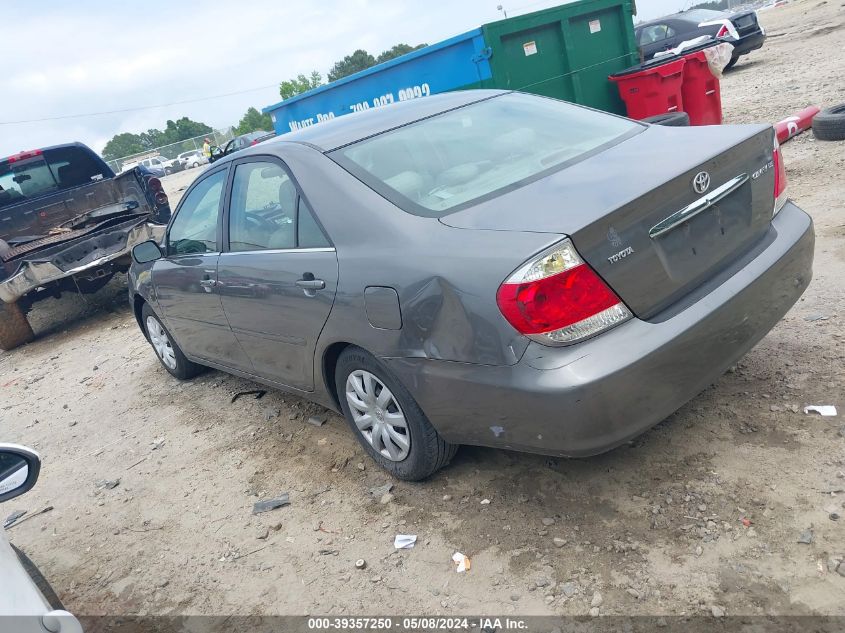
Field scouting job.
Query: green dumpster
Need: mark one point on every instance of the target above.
(566, 52)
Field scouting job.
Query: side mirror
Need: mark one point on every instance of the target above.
(19, 467)
(146, 252)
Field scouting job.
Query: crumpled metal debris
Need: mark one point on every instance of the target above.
(271, 504)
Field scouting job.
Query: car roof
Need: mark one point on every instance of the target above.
(693, 15)
(349, 128)
(75, 144)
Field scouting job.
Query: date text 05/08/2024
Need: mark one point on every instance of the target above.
(422, 623)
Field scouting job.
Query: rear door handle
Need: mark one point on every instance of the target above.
(311, 284)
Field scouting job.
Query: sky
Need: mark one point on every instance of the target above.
(87, 56)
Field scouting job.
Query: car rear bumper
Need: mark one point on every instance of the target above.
(748, 43)
(75, 257)
(590, 397)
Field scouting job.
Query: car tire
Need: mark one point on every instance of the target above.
(195, 165)
(829, 124)
(166, 350)
(426, 451)
(168, 171)
(14, 326)
(38, 579)
(731, 63)
(670, 119)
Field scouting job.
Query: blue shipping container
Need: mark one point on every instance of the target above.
(459, 62)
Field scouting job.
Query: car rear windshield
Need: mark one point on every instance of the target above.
(450, 161)
(38, 173)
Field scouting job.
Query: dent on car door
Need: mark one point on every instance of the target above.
(278, 274)
(185, 278)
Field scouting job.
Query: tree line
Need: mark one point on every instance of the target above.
(715, 5)
(128, 143)
(349, 65)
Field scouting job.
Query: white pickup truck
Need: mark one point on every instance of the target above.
(152, 163)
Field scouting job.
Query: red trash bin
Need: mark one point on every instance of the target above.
(652, 88)
(701, 92)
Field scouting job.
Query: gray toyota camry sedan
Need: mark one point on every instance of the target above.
(480, 267)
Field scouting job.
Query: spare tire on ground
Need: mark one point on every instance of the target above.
(671, 119)
(829, 124)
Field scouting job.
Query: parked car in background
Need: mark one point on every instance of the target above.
(194, 158)
(172, 166)
(67, 224)
(480, 267)
(241, 142)
(740, 29)
(154, 164)
(28, 604)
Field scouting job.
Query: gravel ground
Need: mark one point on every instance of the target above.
(703, 514)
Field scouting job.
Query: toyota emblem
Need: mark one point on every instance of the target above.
(701, 182)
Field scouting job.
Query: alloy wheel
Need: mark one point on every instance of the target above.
(161, 342)
(378, 415)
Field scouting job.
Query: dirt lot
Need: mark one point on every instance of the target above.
(654, 527)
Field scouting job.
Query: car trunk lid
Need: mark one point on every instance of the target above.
(634, 214)
(745, 22)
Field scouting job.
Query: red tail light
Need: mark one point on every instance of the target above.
(780, 178)
(557, 298)
(158, 191)
(723, 31)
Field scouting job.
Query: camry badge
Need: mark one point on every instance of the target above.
(701, 182)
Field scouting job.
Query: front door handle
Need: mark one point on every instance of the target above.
(207, 282)
(311, 284)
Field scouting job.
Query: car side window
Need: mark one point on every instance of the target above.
(194, 229)
(265, 212)
(309, 233)
(262, 213)
(655, 33)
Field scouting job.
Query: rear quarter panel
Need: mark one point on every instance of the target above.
(446, 279)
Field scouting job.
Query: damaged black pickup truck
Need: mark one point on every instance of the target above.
(67, 224)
